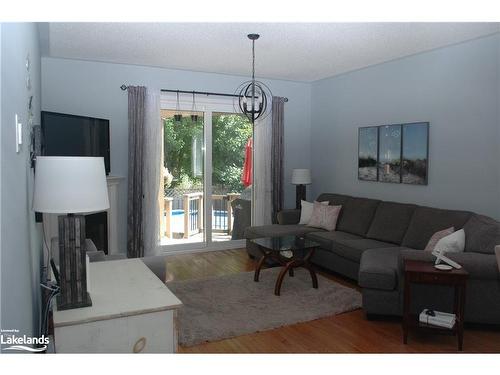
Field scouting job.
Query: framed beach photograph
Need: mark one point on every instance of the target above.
(415, 156)
(367, 153)
(389, 153)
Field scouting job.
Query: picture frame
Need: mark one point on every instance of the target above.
(389, 153)
(415, 153)
(368, 153)
(394, 153)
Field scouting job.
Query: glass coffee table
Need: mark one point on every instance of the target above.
(290, 252)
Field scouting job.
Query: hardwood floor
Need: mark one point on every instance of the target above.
(345, 333)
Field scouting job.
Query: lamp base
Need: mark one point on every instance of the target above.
(300, 195)
(72, 263)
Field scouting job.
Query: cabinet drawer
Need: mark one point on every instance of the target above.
(145, 333)
(428, 278)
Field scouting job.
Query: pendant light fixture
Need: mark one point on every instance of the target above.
(177, 115)
(194, 116)
(253, 97)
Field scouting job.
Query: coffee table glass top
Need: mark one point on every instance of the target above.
(285, 243)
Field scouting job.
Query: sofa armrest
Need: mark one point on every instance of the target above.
(478, 265)
(497, 253)
(290, 216)
(411, 254)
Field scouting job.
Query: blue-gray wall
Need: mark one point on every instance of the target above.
(20, 237)
(455, 88)
(93, 89)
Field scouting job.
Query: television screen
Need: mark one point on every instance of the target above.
(70, 135)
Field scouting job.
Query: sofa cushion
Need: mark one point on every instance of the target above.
(288, 216)
(357, 215)
(353, 249)
(479, 266)
(426, 221)
(334, 199)
(325, 239)
(278, 230)
(379, 268)
(482, 234)
(391, 221)
(413, 254)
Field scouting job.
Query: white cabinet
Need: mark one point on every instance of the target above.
(132, 311)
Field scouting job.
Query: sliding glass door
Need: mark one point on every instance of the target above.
(231, 190)
(207, 175)
(183, 177)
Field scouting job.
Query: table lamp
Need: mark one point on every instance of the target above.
(71, 185)
(301, 178)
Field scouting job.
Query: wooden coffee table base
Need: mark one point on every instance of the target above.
(288, 265)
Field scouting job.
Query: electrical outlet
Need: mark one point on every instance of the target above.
(19, 135)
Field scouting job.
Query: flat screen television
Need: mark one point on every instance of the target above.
(70, 135)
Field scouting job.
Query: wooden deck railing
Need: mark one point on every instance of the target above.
(193, 213)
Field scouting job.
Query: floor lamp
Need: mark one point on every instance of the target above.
(301, 178)
(71, 186)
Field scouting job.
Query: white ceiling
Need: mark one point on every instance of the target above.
(291, 51)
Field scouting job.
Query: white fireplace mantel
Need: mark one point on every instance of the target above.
(51, 226)
(113, 182)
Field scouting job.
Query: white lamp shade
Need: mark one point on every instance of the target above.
(66, 185)
(301, 177)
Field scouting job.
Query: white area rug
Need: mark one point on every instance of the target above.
(222, 307)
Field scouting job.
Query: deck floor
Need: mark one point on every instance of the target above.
(177, 228)
(195, 238)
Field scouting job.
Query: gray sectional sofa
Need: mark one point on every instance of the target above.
(373, 238)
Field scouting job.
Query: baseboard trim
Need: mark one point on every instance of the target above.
(229, 245)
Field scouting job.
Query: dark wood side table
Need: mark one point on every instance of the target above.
(419, 272)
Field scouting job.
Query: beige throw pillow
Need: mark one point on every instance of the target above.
(324, 217)
(307, 210)
(437, 236)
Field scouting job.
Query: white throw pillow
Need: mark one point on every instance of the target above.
(454, 243)
(431, 245)
(307, 210)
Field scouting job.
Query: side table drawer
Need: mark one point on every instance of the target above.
(424, 278)
(146, 333)
(427, 278)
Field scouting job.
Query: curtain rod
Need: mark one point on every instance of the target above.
(125, 87)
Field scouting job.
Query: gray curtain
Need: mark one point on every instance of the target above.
(277, 179)
(136, 119)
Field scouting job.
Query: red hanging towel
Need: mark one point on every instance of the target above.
(246, 176)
